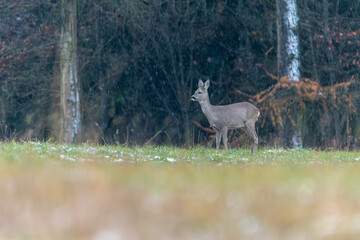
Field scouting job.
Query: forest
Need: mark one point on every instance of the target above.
(123, 71)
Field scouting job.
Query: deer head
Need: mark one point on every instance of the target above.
(201, 93)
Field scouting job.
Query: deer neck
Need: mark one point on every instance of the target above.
(207, 108)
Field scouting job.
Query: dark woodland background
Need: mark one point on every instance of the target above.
(139, 61)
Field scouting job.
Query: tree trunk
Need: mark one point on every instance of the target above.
(288, 58)
(70, 122)
(288, 40)
(188, 139)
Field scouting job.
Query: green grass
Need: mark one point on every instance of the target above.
(150, 155)
(52, 191)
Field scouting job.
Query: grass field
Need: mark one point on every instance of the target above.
(51, 191)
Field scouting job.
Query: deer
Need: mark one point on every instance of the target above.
(225, 117)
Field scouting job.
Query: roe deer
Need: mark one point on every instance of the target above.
(225, 117)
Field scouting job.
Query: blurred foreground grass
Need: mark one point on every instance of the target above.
(51, 191)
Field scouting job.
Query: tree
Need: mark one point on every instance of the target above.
(70, 117)
(288, 59)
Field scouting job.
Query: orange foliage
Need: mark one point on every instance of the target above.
(204, 128)
(279, 98)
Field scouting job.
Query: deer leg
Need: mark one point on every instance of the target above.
(224, 131)
(250, 129)
(218, 139)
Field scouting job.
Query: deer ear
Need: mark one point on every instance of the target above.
(207, 83)
(200, 84)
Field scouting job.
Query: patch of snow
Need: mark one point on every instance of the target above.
(67, 158)
(275, 150)
(171, 159)
(118, 160)
(244, 159)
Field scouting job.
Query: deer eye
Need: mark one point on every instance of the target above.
(200, 92)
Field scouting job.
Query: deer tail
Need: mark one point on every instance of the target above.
(260, 118)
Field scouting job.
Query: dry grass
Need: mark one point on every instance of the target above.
(65, 192)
